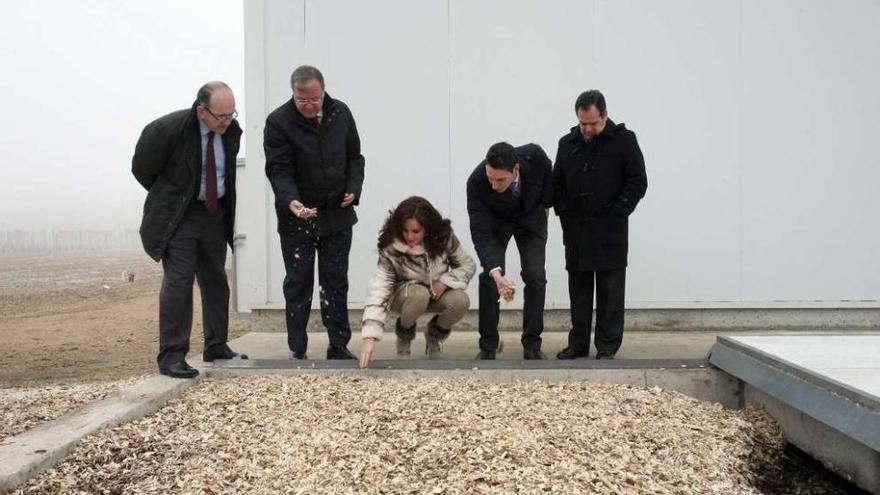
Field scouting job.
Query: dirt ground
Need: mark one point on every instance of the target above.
(72, 318)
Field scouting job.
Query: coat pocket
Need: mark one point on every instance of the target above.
(615, 229)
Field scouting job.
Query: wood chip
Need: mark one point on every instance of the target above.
(343, 434)
(24, 408)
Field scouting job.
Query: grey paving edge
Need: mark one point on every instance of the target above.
(840, 432)
(842, 389)
(461, 364)
(27, 454)
(811, 397)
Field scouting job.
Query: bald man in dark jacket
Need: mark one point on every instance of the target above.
(186, 162)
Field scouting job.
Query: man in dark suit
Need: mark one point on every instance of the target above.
(314, 162)
(598, 179)
(508, 195)
(186, 162)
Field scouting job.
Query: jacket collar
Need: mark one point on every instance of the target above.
(327, 109)
(193, 118)
(611, 130)
(405, 248)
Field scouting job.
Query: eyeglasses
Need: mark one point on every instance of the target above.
(222, 116)
(304, 101)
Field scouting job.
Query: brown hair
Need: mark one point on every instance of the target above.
(438, 230)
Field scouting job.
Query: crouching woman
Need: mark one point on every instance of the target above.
(422, 268)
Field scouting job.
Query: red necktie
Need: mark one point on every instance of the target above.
(211, 177)
(316, 123)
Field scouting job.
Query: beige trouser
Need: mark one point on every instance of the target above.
(413, 300)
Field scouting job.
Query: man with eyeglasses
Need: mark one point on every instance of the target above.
(315, 166)
(598, 179)
(186, 162)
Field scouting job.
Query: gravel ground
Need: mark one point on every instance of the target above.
(23, 408)
(335, 434)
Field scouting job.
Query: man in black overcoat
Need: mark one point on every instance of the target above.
(598, 179)
(315, 166)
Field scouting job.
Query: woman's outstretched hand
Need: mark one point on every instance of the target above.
(367, 351)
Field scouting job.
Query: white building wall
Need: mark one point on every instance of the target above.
(756, 120)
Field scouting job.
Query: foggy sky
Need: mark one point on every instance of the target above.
(81, 80)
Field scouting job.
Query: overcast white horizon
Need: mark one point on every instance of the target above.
(82, 80)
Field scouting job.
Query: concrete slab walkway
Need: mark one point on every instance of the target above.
(463, 345)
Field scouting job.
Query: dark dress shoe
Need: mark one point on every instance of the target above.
(334, 352)
(485, 356)
(533, 353)
(604, 355)
(220, 352)
(298, 355)
(570, 353)
(179, 369)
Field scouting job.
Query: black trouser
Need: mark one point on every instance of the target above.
(298, 249)
(610, 287)
(196, 250)
(531, 253)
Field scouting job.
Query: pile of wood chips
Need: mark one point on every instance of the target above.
(23, 408)
(344, 434)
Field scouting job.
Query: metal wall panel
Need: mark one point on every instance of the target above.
(755, 119)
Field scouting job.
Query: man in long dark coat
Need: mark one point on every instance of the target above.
(186, 162)
(598, 179)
